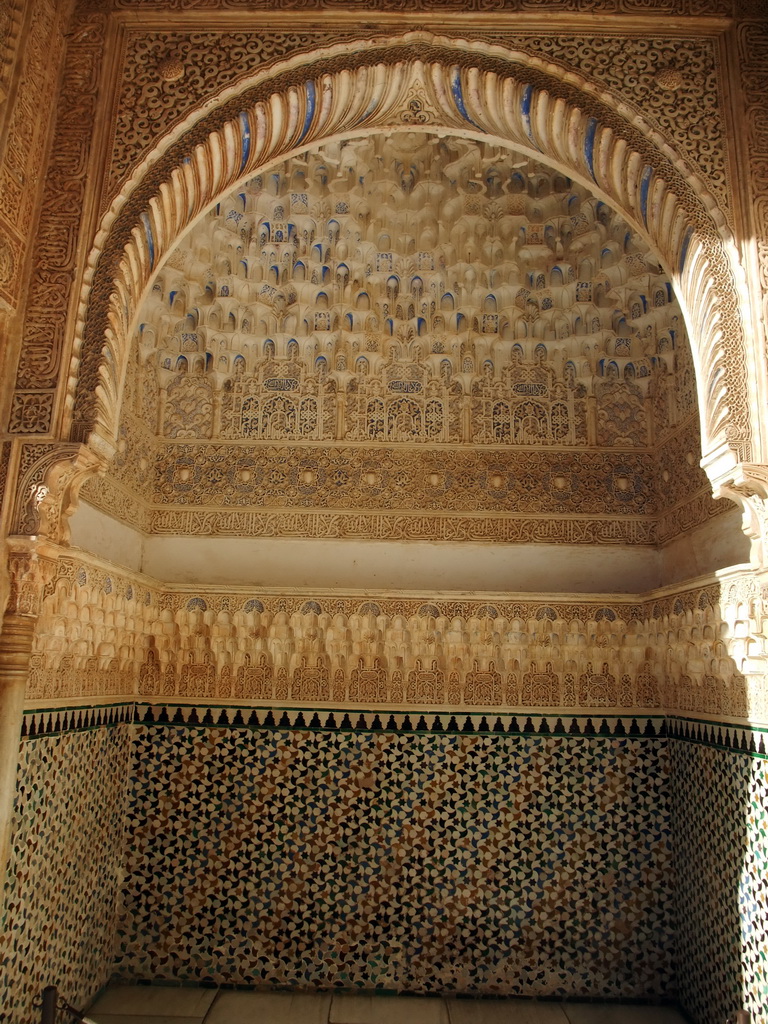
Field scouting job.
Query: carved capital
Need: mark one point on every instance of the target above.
(31, 567)
(748, 487)
(49, 485)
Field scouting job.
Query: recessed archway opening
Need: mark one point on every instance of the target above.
(425, 708)
(440, 376)
(406, 338)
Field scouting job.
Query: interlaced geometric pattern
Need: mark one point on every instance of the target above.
(417, 862)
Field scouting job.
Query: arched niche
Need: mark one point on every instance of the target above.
(420, 80)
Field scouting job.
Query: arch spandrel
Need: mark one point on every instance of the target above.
(422, 83)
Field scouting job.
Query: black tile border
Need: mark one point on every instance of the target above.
(383, 720)
(742, 739)
(55, 721)
(749, 740)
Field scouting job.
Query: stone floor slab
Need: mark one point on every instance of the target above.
(270, 1008)
(153, 1001)
(504, 1011)
(591, 1013)
(137, 1018)
(354, 1009)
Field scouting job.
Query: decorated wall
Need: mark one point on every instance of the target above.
(60, 896)
(489, 854)
(422, 861)
(105, 633)
(382, 331)
(397, 277)
(720, 839)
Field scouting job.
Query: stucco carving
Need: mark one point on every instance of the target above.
(11, 17)
(749, 489)
(693, 651)
(753, 53)
(415, 288)
(31, 570)
(211, 61)
(627, 66)
(26, 134)
(50, 477)
(524, 496)
(55, 262)
(159, 227)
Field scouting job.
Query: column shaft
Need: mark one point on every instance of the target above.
(15, 651)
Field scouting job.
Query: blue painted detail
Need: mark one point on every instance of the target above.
(245, 124)
(645, 185)
(150, 239)
(458, 97)
(311, 92)
(684, 250)
(525, 110)
(589, 145)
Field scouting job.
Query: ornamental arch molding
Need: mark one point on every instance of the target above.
(435, 85)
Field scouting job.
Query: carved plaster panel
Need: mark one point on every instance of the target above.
(673, 82)
(692, 651)
(686, 248)
(413, 288)
(26, 133)
(491, 340)
(56, 243)
(379, 335)
(753, 54)
(49, 480)
(392, 492)
(11, 17)
(150, 104)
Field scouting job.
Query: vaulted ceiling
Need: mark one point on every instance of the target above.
(411, 337)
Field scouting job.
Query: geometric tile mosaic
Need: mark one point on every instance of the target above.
(422, 862)
(497, 855)
(720, 828)
(58, 908)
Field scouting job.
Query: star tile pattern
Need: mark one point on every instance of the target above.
(720, 827)
(595, 864)
(58, 909)
(417, 862)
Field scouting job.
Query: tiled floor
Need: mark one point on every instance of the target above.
(160, 1005)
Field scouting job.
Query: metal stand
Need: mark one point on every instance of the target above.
(50, 999)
